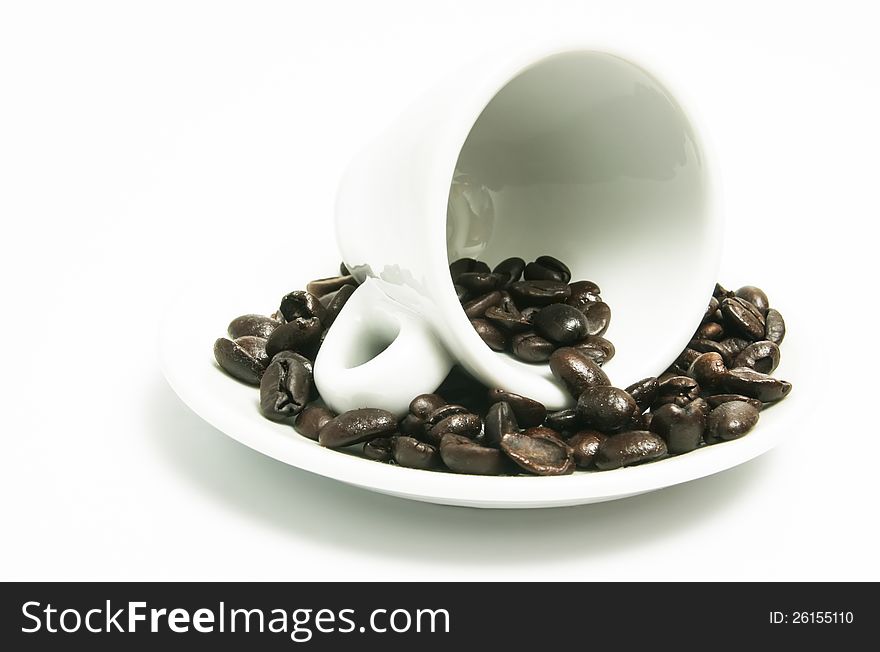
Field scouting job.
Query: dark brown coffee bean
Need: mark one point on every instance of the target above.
(424, 404)
(478, 306)
(672, 372)
(731, 347)
(709, 330)
(284, 389)
(412, 426)
(300, 335)
(754, 384)
(677, 389)
(531, 347)
(596, 347)
(461, 292)
(511, 268)
(743, 317)
(685, 359)
(529, 313)
(606, 409)
(244, 358)
(528, 412)
(547, 268)
(644, 392)
(463, 265)
(313, 417)
(585, 444)
(754, 296)
(335, 306)
(598, 315)
(708, 370)
(494, 337)
(681, 427)
(718, 399)
(415, 454)
(720, 293)
(582, 293)
(463, 455)
(711, 309)
(355, 426)
(465, 424)
(539, 450)
(538, 293)
(629, 448)
(508, 317)
(561, 323)
(731, 420)
(562, 420)
(761, 356)
(442, 412)
(500, 419)
(480, 282)
(300, 304)
(293, 355)
(253, 325)
(710, 346)
(322, 286)
(775, 327)
(379, 450)
(576, 370)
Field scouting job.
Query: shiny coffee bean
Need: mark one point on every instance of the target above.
(644, 392)
(711, 309)
(562, 420)
(529, 313)
(313, 417)
(531, 347)
(604, 408)
(461, 292)
(478, 306)
(500, 420)
(253, 325)
(443, 412)
(717, 399)
(709, 330)
(596, 347)
(754, 296)
(598, 315)
(300, 335)
(299, 304)
(284, 388)
(681, 427)
(731, 420)
(465, 424)
(412, 426)
(710, 346)
(322, 286)
(708, 370)
(415, 454)
(547, 268)
(539, 450)
(539, 293)
(494, 337)
(629, 448)
(743, 317)
(677, 389)
(463, 455)
(754, 384)
(528, 412)
(731, 347)
(480, 282)
(720, 293)
(508, 317)
(464, 265)
(582, 293)
(774, 327)
(576, 370)
(685, 359)
(511, 268)
(355, 426)
(672, 372)
(244, 358)
(561, 323)
(380, 449)
(761, 356)
(293, 355)
(335, 306)
(585, 445)
(424, 404)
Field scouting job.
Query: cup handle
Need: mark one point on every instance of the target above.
(378, 353)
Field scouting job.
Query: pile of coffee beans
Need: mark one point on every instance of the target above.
(713, 392)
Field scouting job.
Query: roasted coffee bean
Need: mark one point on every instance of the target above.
(424, 404)
(512, 268)
(494, 337)
(720, 293)
(647, 419)
(293, 355)
(678, 389)
(379, 450)
(598, 316)
(547, 268)
(539, 450)
(412, 426)
(585, 445)
(754, 296)
(253, 325)
(561, 323)
(629, 448)
(717, 399)
(442, 412)
(672, 372)
(463, 265)
(711, 309)
(562, 420)
(710, 346)
(336, 305)
(731, 347)
(508, 317)
(244, 358)
(708, 370)
(761, 356)
(681, 427)
(604, 408)
(500, 419)
(582, 293)
(531, 347)
(322, 286)
(480, 282)
(731, 420)
(463, 455)
(754, 384)
(355, 426)
(709, 330)
(644, 392)
(465, 424)
(528, 412)
(299, 304)
(478, 306)
(300, 335)
(529, 313)
(576, 370)
(775, 327)
(313, 417)
(685, 359)
(539, 293)
(284, 388)
(743, 317)
(461, 292)
(596, 347)
(415, 454)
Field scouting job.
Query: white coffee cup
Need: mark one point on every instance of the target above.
(579, 154)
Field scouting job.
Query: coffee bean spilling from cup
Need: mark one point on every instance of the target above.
(713, 392)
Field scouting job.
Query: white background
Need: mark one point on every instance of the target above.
(145, 145)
